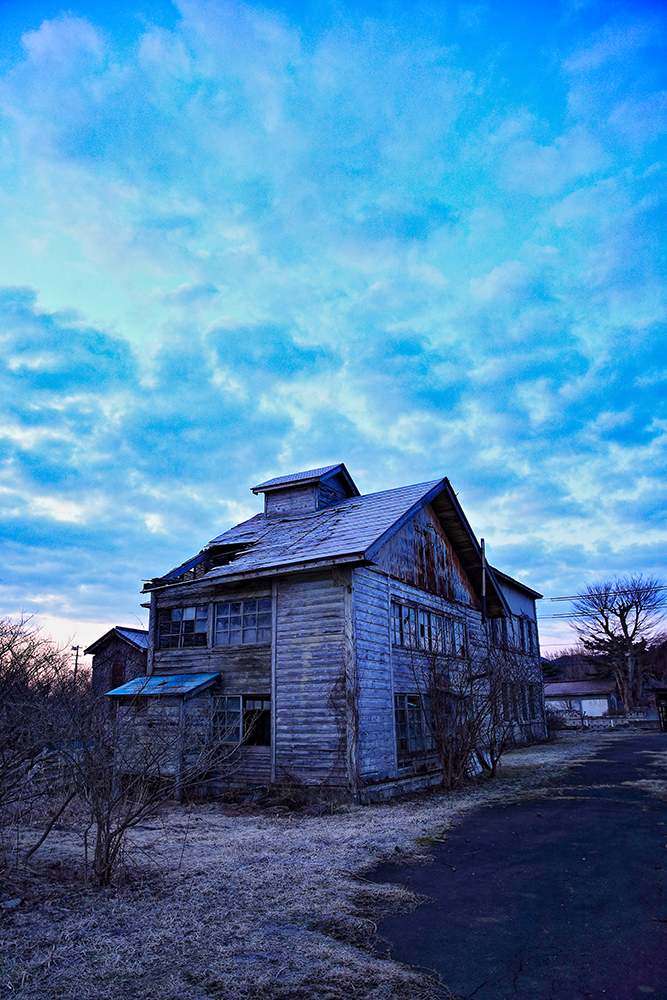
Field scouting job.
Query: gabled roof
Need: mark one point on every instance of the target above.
(343, 532)
(352, 530)
(137, 637)
(176, 684)
(516, 583)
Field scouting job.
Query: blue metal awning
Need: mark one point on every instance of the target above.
(183, 685)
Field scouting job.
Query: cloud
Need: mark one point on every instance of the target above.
(248, 243)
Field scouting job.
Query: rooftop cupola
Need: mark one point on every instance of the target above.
(306, 492)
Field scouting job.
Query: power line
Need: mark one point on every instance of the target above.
(594, 593)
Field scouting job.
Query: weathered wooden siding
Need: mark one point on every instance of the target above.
(331, 491)
(247, 764)
(310, 704)
(420, 554)
(245, 669)
(301, 499)
(116, 664)
(376, 741)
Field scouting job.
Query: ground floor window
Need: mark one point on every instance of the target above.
(413, 736)
(243, 719)
(521, 702)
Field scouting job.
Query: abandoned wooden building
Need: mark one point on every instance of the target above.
(296, 633)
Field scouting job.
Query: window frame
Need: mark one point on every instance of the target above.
(240, 622)
(414, 739)
(234, 724)
(181, 635)
(417, 627)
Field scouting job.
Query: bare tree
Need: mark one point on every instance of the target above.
(59, 745)
(31, 669)
(474, 693)
(125, 764)
(614, 622)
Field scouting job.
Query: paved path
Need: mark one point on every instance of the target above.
(552, 899)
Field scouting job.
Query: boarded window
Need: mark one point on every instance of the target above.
(182, 628)
(243, 622)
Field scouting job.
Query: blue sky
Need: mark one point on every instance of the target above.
(243, 240)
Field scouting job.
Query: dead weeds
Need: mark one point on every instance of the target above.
(242, 901)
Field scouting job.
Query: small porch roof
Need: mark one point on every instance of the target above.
(182, 685)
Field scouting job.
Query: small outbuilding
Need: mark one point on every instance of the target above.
(119, 656)
(590, 699)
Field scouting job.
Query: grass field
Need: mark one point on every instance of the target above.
(221, 901)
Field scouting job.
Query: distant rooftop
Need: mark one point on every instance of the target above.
(136, 636)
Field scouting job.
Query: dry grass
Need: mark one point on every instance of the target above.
(223, 902)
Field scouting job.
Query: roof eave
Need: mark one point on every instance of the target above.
(277, 569)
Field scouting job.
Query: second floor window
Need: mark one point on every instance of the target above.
(417, 628)
(241, 622)
(181, 628)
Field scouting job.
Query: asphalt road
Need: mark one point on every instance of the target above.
(552, 899)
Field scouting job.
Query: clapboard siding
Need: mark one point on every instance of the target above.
(248, 764)
(243, 669)
(207, 592)
(420, 554)
(376, 757)
(309, 679)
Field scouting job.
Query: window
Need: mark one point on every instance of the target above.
(243, 719)
(417, 628)
(257, 720)
(413, 737)
(499, 632)
(227, 718)
(181, 628)
(247, 621)
(405, 627)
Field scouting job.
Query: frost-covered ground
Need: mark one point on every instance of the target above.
(217, 901)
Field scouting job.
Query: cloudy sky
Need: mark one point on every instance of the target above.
(240, 240)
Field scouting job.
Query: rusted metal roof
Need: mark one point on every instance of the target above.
(155, 687)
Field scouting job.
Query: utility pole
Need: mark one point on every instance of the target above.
(75, 650)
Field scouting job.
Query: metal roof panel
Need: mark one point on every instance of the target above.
(156, 686)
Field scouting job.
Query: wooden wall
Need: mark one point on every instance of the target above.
(421, 554)
(244, 669)
(377, 751)
(310, 682)
(129, 661)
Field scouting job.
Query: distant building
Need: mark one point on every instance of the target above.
(592, 699)
(295, 633)
(119, 656)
